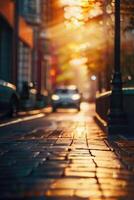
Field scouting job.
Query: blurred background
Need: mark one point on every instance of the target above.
(47, 43)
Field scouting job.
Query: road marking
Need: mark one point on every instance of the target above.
(22, 119)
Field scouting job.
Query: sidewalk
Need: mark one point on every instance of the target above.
(125, 150)
(74, 162)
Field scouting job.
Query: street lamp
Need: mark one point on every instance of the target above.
(116, 115)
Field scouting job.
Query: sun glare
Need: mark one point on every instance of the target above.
(79, 37)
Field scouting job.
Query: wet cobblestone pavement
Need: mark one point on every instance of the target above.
(71, 161)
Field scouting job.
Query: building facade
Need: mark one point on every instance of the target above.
(9, 41)
(30, 10)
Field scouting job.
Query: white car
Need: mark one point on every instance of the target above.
(66, 97)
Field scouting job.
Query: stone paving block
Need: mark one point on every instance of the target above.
(80, 157)
(79, 151)
(53, 163)
(74, 183)
(96, 193)
(56, 158)
(84, 161)
(73, 162)
(108, 164)
(82, 166)
(60, 192)
(112, 181)
(101, 153)
(64, 140)
(114, 174)
(116, 194)
(98, 147)
(78, 173)
(54, 173)
(17, 173)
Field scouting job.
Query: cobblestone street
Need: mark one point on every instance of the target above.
(73, 159)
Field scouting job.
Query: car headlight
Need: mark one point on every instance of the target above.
(76, 97)
(55, 97)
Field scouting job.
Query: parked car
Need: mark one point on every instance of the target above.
(42, 99)
(66, 97)
(30, 98)
(9, 99)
